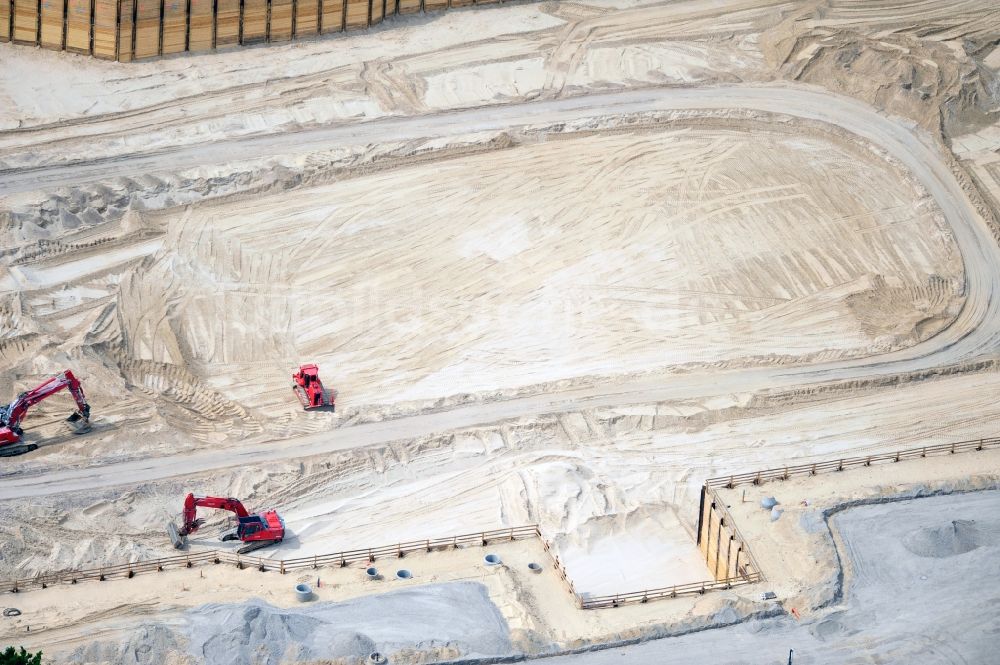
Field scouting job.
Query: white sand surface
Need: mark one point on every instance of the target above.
(714, 241)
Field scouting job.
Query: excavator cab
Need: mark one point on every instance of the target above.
(257, 531)
(249, 526)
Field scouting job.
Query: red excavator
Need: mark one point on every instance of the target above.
(12, 414)
(309, 389)
(257, 531)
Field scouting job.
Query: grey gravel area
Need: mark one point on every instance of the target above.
(446, 620)
(423, 624)
(922, 587)
(146, 645)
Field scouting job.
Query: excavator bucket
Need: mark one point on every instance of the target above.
(176, 538)
(79, 423)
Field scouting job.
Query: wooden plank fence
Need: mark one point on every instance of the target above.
(400, 550)
(343, 558)
(694, 588)
(828, 466)
(128, 30)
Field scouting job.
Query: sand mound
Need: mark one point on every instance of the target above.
(258, 634)
(904, 70)
(351, 645)
(146, 645)
(834, 627)
(457, 619)
(958, 537)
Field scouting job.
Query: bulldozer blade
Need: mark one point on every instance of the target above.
(176, 538)
(78, 423)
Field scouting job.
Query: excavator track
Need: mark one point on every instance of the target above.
(14, 451)
(256, 545)
(327, 405)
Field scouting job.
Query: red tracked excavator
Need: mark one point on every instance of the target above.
(12, 414)
(258, 531)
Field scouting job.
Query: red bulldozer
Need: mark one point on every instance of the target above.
(309, 389)
(12, 414)
(258, 531)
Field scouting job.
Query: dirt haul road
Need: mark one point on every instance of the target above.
(973, 333)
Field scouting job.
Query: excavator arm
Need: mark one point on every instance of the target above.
(12, 414)
(192, 503)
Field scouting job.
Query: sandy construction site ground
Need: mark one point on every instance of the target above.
(561, 262)
(831, 567)
(593, 255)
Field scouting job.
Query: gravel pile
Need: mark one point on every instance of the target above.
(954, 538)
(457, 618)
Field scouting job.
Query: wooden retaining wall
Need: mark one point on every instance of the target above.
(726, 552)
(127, 30)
